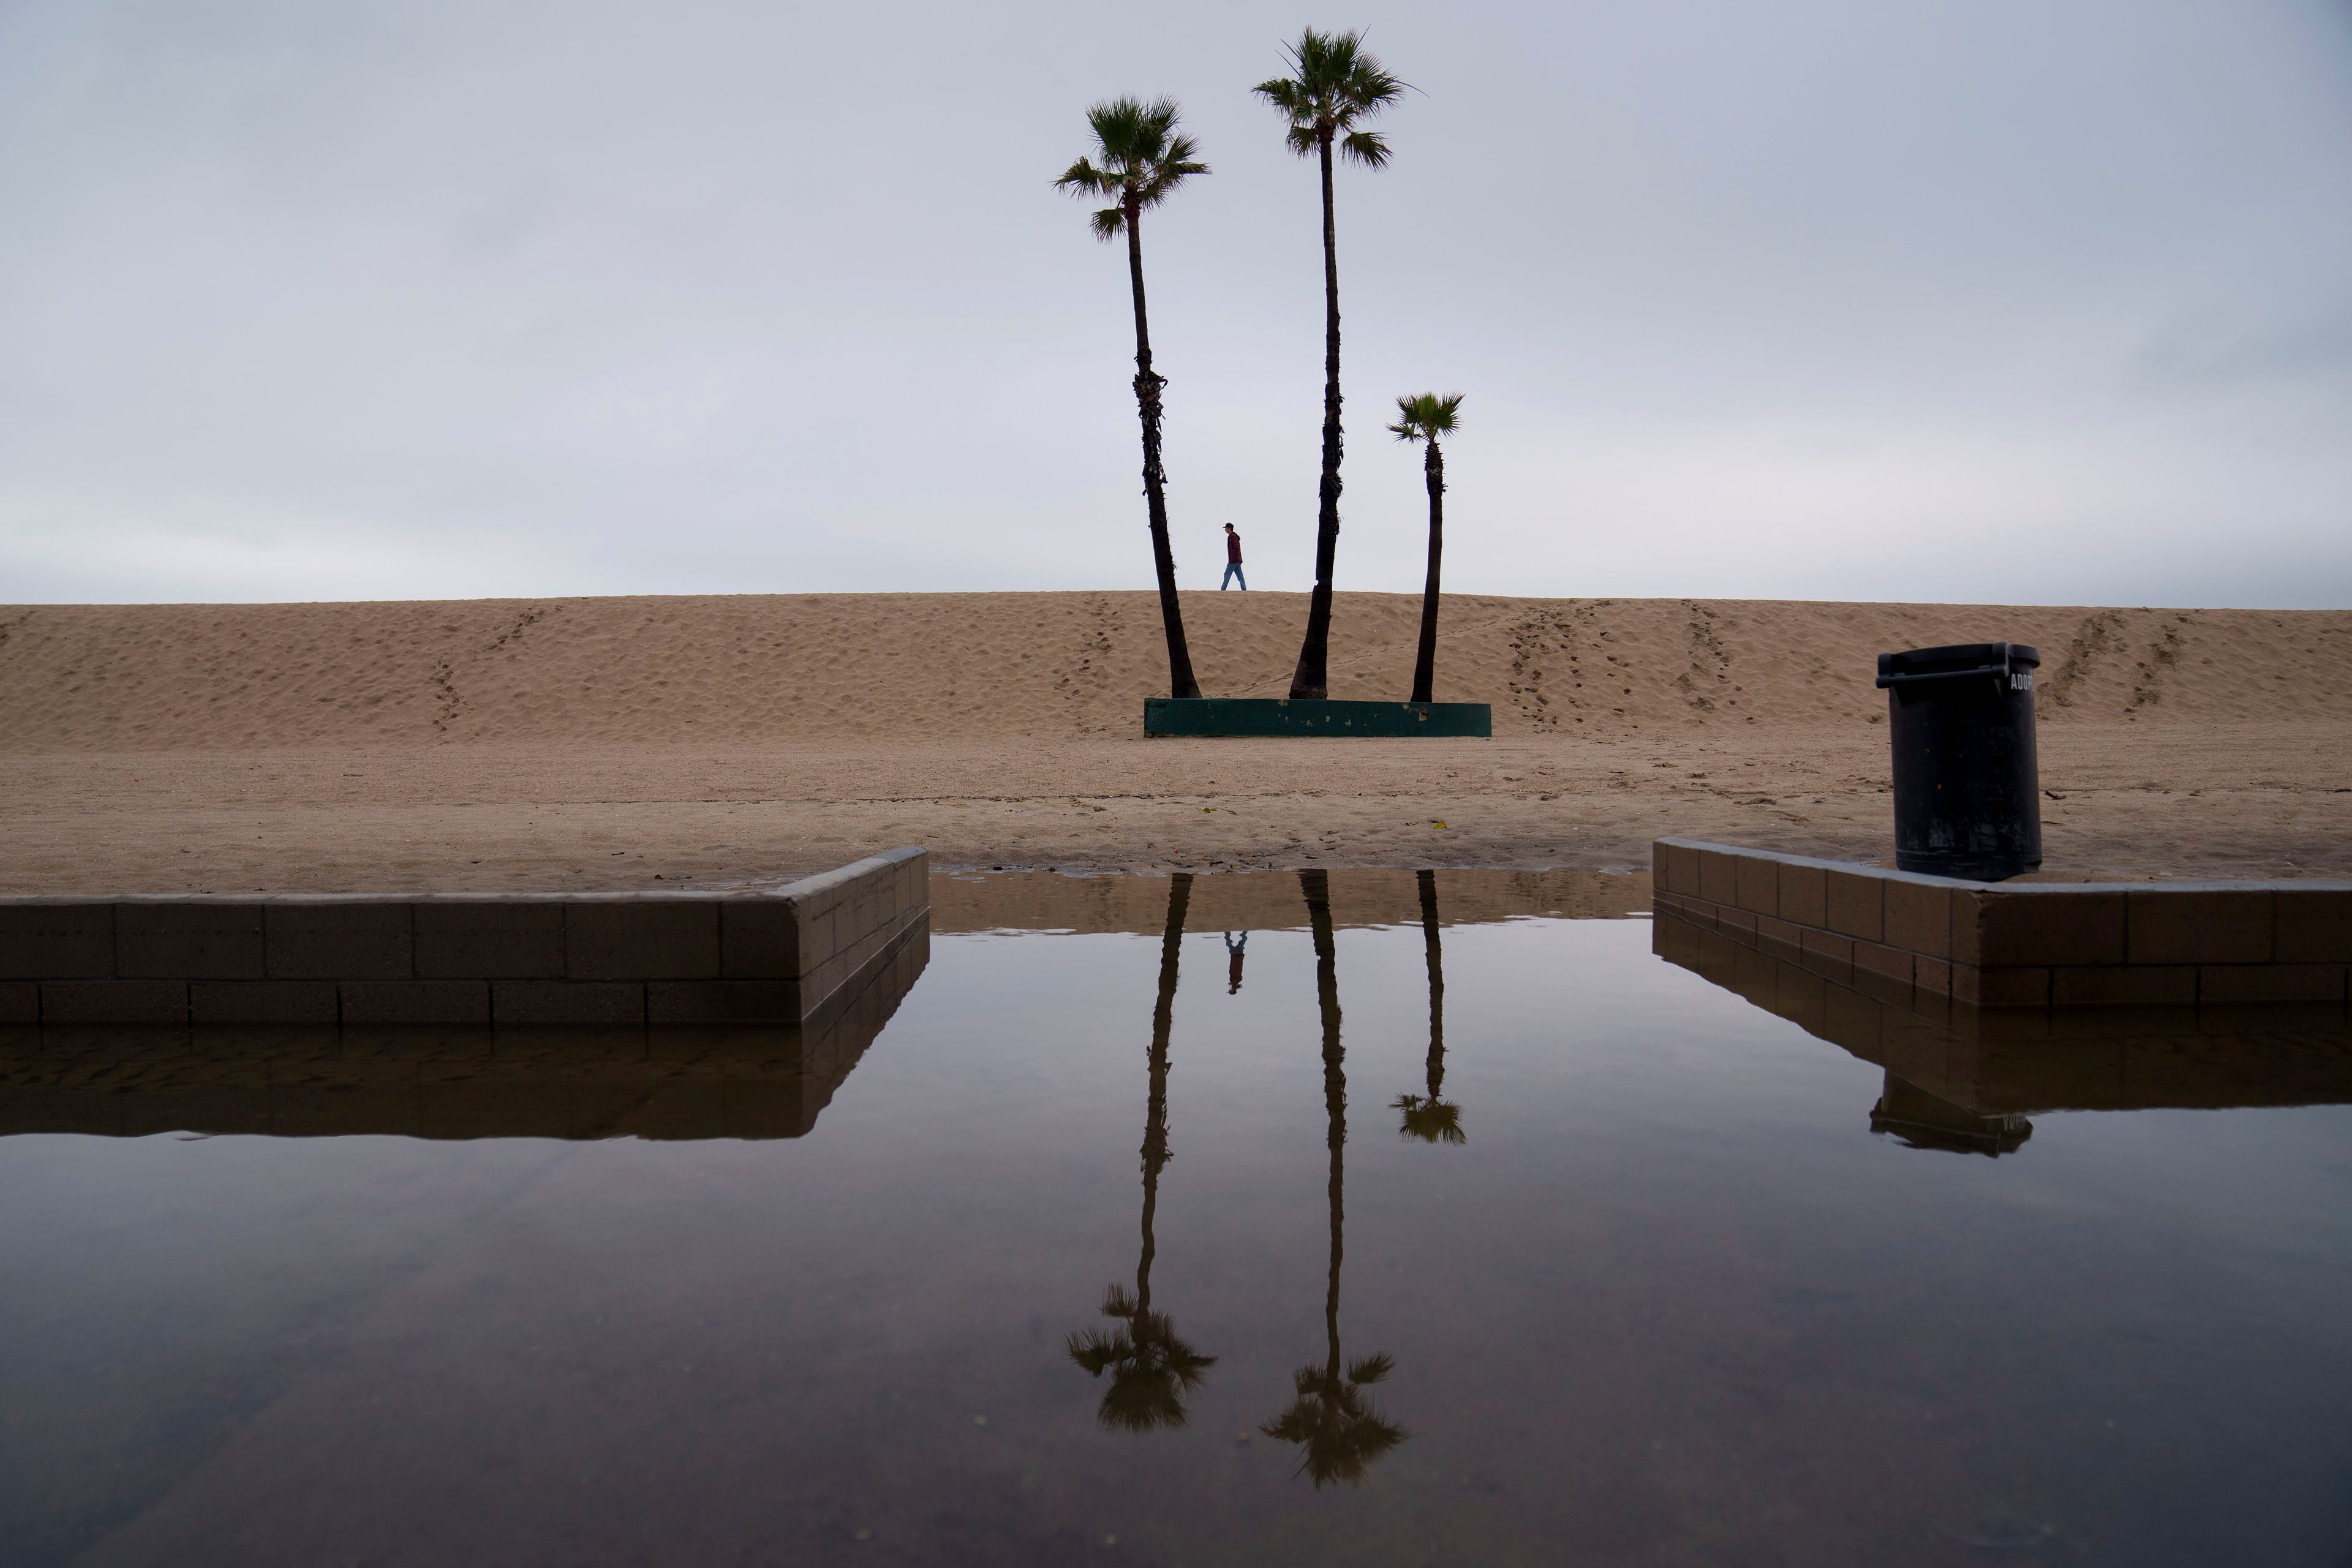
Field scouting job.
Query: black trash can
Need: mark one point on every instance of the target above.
(1966, 791)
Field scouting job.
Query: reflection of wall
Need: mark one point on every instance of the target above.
(2001, 1063)
(757, 1082)
(1268, 900)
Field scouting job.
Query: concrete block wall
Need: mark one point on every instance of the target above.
(658, 958)
(2033, 944)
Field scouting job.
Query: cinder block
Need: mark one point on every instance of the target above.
(1699, 913)
(525, 1002)
(20, 1002)
(188, 942)
(262, 1001)
(502, 941)
(1759, 884)
(1780, 934)
(723, 1002)
(1886, 963)
(2270, 982)
(759, 941)
(114, 1002)
(2200, 925)
(373, 1002)
(1804, 895)
(1735, 923)
(1682, 869)
(1828, 947)
(2005, 987)
(2314, 925)
(56, 941)
(1919, 917)
(1932, 974)
(1855, 903)
(2032, 928)
(339, 941)
(1719, 878)
(644, 940)
(1891, 988)
(2145, 983)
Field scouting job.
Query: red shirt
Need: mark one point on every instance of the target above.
(1233, 548)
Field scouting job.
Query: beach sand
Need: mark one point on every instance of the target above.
(641, 743)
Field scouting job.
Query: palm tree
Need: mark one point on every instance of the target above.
(1144, 158)
(1151, 1368)
(1332, 85)
(1431, 1119)
(1338, 1429)
(1424, 418)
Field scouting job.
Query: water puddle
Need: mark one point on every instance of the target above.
(1365, 1218)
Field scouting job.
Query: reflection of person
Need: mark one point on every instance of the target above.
(1233, 969)
(1233, 562)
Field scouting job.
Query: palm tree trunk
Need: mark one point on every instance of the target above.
(1424, 664)
(1155, 1116)
(1433, 955)
(1317, 885)
(1146, 404)
(1313, 676)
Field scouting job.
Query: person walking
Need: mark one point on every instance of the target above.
(1233, 562)
(1235, 950)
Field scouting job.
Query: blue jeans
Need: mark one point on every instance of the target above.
(1233, 575)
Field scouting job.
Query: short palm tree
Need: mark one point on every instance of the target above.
(1143, 159)
(1333, 84)
(1151, 1369)
(1330, 1416)
(1428, 1117)
(1425, 418)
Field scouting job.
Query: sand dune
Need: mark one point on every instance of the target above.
(595, 742)
(763, 668)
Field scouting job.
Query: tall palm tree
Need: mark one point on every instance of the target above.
(1151, 1369)
(1429, 1117)
(1338, 1429)
(1143, 159)
(1332, 85)
(1424, 418)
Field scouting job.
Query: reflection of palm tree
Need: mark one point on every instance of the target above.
(1150, 1369)
(1330, 1415)
(1429, 1117)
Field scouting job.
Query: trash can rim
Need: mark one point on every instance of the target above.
(1957, 658)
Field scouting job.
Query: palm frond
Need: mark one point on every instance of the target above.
(1095, 1350)
(1368, 148)
(1424, 416)
(1084, 177)
(1283, 93)
(1143, 157)
(1340, 1432)
(1371, 1369)
(1334, 82)
(1430, 1121)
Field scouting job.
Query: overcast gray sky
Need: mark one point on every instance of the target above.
(2008, 299)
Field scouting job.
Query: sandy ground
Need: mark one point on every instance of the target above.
(627, 742)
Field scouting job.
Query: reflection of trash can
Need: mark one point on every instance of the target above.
(1961, 723)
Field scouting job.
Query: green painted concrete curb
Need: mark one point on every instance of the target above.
(1305, 716)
